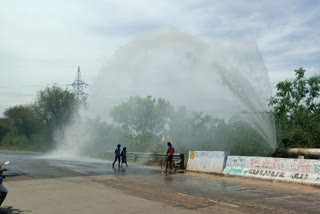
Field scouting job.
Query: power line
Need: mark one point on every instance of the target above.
(23, 90)
(17, 94)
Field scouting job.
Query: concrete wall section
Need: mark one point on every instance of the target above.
(207, 161)
(292, 170)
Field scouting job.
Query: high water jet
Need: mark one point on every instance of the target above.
(219, 77)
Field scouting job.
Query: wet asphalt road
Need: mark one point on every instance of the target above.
(248, 195)
(30, 166)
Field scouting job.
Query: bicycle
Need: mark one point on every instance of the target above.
(172, 168)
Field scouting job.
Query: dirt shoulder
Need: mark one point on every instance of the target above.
(100, 194)
(133, 194)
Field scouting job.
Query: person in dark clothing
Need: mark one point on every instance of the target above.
(117, 156)
(3, 189)
(169, 156)
(124, 156)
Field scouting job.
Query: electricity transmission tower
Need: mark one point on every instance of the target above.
(78, 87)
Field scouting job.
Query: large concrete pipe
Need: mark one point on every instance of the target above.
(294, 152)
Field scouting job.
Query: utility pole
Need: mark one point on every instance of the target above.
(78, 87)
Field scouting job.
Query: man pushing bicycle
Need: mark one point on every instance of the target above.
(169, 156)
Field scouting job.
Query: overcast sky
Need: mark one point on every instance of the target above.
(42, 42)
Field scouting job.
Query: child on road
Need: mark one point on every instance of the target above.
(117, 156)
(124, 156)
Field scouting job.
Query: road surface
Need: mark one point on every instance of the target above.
(39, 184)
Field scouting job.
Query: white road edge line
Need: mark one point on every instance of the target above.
(179, 193)
(71, 169)
(214, 201)
(227, 204)
(79, 171)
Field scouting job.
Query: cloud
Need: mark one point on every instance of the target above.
(43, 42)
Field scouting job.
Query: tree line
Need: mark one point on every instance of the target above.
(296, 107)
(35, 126)
(146, 123)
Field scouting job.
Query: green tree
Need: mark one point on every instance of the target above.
(193, 131)
(143, 115)
(55, 108)
(23, 119)
(145, 119)
(241, 137)
(297, 110)
(99, 136)
(14, 139)
(5, 127)
(180, 129)
(21, 129)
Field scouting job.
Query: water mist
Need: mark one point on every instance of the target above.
(220, 78)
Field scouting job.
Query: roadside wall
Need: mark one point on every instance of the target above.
(207, 161)
(285, 169)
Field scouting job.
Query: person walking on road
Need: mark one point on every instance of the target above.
(124, 156)
(117, 156)
(169, 156)
(3, 189)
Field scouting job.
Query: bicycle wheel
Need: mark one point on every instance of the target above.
(163, 165)
(173, 168)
